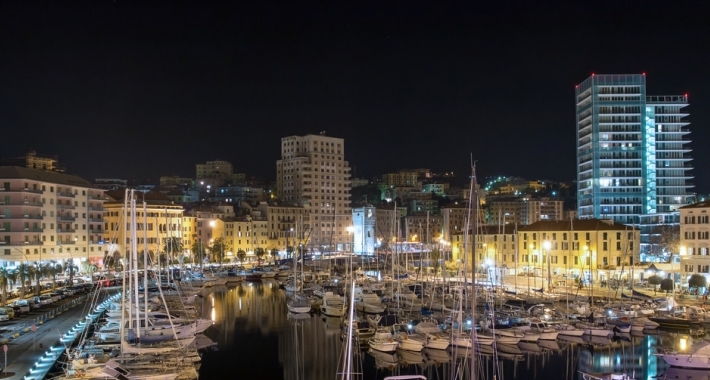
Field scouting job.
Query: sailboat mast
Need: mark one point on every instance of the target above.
(145, 261)
(473, 202)
(134, 261)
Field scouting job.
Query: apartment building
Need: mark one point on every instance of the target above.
(47, 215)
(695, 240)
(158, 222)
(312, 173)
(213, 173)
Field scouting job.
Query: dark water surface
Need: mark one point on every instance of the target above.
(257, 339)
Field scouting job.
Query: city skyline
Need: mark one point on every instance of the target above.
(120, 90)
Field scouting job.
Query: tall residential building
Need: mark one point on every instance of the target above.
(313, 173)
(632, 153)
(46, 216)
(213, 173)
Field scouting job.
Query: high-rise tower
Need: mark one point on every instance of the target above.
(632, 153)
(313, 173)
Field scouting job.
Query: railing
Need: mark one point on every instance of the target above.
(65, 218)
(19, 243)
(66, 206)
(20, 190)
(65, 230)
(68, 195)
(21, 203)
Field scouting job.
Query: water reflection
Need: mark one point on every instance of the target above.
(258, 338)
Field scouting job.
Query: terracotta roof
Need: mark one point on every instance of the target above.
(18, 172)
(577, 225)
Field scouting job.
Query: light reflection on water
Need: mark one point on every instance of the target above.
(258, 339)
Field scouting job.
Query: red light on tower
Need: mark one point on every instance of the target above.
(592, 74)
(686, 94)
(643, 73)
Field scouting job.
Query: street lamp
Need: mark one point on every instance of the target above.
(547, 245)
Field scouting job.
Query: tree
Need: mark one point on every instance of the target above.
(275, 253)
(112, 260)
(198, 250)
(70, 267)
(219, 247)
(52, 270)
(241, 255)
(655, 280)
(665, 240)
(667, 284)
(7, 279)
(23, 274)
(259, 252)
(173, 246)
(697, 281)
(434, 256)
(36, 274)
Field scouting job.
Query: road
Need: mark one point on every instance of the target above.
(25, 347)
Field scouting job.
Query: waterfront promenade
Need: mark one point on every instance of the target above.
(26, 346)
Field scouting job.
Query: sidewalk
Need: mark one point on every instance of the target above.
(26, 347)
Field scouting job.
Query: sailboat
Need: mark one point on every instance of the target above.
(298, 303)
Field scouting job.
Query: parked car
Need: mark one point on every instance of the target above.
(22, 305)
(54, 297)
(9, 311)
(45, 300)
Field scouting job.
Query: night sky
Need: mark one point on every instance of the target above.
(130, 90)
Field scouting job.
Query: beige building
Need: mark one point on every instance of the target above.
(49, 216)
(423, 228)
(695, 241)
(313, 173)
(403, 178)
(158, 220)
(524, 211)
(213, 173)
(593, 249)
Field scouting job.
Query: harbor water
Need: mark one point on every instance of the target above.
(256, 338)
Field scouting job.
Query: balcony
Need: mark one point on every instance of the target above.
(18, 243)
(20, 190)
(21, 203)
(65, 207)
(21, 229)
(65, 230)
(65, 195)
(65, 218)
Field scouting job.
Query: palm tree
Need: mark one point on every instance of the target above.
(241, 255)
(22, 272)
(7, 279)
(52, 270)
(198, 250)
(275, 254)
(259, 253)
(70, 267)
(36, 273)
(218, 247)
(173, 247)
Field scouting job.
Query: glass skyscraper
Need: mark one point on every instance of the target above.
(632, 150)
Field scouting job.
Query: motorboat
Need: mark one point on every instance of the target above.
(333, 305)
(383, 341)
(545, 332)
(696, 357)
(410, 342)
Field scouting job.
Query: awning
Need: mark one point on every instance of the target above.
(653, 268)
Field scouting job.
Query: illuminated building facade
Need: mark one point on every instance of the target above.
(632, 149)
(213, 173)
(49, 216)
(695, 240)
(313, 173)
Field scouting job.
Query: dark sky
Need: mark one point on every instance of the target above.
(137, 90)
